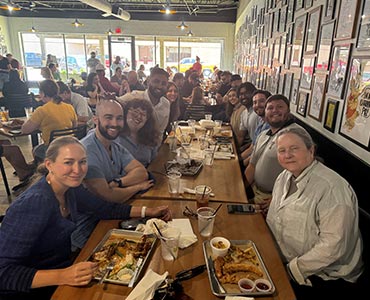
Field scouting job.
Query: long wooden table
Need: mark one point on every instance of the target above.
(237, 227)
(224, 177)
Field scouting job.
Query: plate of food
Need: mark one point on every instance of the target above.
(121, 255)
(242, 261)
(225, 148)
(190, 168)
(13, 124)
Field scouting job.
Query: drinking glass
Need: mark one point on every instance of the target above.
(206, 220)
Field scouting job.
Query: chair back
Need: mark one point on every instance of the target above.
(16, 103)
(78, 132)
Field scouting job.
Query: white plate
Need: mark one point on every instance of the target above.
(15, 131)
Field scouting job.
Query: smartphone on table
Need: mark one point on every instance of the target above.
(241, 208)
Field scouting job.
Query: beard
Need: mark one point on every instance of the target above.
(104, 131)
(158, 93)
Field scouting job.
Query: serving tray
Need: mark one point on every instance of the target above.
(187, 169)
(229, 289)
(126, 248)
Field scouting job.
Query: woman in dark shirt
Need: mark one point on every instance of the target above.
(15, 85)
(173, 95)
(196, 109)
(35, 234)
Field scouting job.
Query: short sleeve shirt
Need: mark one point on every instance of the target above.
(99, 162)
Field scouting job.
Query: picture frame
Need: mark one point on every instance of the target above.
(288, 84)
(281, 83)
(289, 33)
(276, 56)
(282, 49)
(302, 103)
(299, 5)
(288, 54)
(355, 122)
(308, 3)
(294, 92)
(324, 49)
(317, 97)
(283, 19)
(290, 11)
(330, 9)
(346, 19)
(307, 72)
(330, 119)
(313, 25)
(275, 28)
(338, 70)
(298, 40)
(363, 40)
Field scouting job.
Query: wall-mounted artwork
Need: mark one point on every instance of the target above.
(338, 70)
(330, 9)
(298, 40)
(326, 38)
(313, 24)
(302, 103)
(294, 93)
(363, 41)
(290, 14)
(317, 96)
(307, 72)
(288, 84)
(331, 114)
(346, 19)
(355, 122)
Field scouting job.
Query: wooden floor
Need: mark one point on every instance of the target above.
(24, 143)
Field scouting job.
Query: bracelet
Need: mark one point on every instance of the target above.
(143, 210)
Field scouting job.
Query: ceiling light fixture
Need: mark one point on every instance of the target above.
(182, 26)
(167, 9)
(109, 32)
(77, 23)
(190, 33)
(33, 29)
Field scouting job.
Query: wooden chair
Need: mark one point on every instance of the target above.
(79, 132)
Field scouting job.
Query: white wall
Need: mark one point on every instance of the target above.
(223, 31)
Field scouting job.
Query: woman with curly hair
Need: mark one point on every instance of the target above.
(140, 135)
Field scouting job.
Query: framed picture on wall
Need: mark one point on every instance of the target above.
(338, 70)
(298, 40)
(290, 12)
(288, 55)
(281, 83)
(294, 92)
(317, 96)
(363, 40)
(299, 4)
(308, 3)
(282, 49)
(307, 72)
(346, 19)
(312, 32)
(282, 19)
(331, 114)
(330, 9)
(323, 53)
(288, 84)
(302, 103)
(355, 122)
(289, 34)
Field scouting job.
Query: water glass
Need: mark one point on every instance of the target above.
(208, 157)
(170, 243)
(173, 177)
(206, 220)
(172, 142)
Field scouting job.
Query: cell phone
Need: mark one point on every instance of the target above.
(241, 209)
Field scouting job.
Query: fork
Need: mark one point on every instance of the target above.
(109, 268)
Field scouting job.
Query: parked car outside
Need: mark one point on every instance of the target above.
(187, 62)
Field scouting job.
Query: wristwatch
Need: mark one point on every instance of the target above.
(118, 181)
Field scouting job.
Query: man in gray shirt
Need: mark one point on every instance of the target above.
(92, 62)
(264, 168)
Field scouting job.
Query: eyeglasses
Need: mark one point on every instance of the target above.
(189, 213)
(137, 113)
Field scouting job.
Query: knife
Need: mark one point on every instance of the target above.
(136, 272)
(213, 277)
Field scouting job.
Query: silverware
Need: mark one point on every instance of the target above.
(136, 272)
(109, 268)
(213, 277)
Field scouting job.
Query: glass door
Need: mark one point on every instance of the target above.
(124, 47)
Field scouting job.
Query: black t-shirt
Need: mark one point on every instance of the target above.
(4, 62)
(224, 89)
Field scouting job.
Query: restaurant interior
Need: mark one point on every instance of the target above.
(315, 52)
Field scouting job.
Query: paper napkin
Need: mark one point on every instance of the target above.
(187, 236)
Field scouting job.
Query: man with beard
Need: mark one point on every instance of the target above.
(258, 104)
(155, 94)
(264, 168)
(113, 173)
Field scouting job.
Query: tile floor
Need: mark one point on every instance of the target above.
(24, 142)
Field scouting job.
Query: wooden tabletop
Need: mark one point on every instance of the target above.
(239, 227)
(224, 177)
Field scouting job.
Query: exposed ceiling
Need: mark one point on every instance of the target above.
(187, 10)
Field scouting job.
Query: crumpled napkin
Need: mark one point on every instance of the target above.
(187, 236)
(146, 287)
(237, 298)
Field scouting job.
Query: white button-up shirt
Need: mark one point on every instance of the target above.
(316, 227)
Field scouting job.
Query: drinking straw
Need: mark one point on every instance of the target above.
(214, 150)
(216, 210)
(168, 248)
(204, 192)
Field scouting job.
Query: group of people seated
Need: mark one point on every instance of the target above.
(311, 210)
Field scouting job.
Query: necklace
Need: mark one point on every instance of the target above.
(62, 207)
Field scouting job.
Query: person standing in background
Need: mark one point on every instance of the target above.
(116, 64)
(141, 74)
(92, 62)
(54, 70)
(197, 66)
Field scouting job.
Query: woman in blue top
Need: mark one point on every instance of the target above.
(140, 134)
(35, 234)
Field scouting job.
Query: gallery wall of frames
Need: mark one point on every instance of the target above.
(317, 53)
